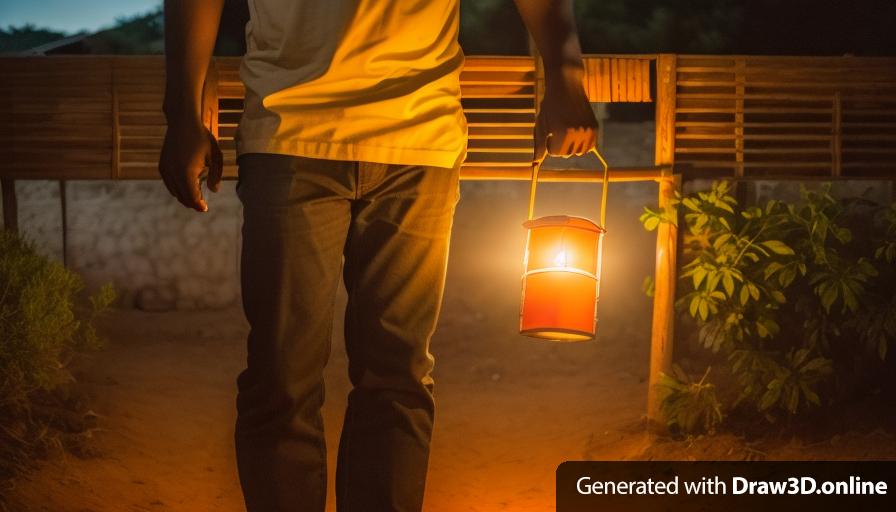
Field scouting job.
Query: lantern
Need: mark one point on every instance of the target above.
(561, 276)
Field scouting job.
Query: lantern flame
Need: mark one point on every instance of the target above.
(560, 259)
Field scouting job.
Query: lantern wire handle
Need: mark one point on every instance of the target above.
(536, 167)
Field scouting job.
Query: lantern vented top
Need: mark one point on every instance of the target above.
(565, 221)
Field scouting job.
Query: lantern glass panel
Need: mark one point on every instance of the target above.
(562, 246)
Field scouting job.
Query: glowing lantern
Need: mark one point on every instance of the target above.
(561, 277)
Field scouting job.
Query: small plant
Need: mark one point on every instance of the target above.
(788, 294)
(43, 325)
(690, 407)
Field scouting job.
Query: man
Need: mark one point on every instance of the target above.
(349, 146)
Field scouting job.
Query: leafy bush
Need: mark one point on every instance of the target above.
(689, 406)
(799, 299)
(43, 324)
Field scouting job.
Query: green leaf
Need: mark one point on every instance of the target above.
(721, 240)
(811, 396)
(772, 268)
(651, 223)
(691, 204)
(850, 301)
(754, 291)
(770, 397)
(778, 247)
(828, 296)
(724, 206)
(701, 221)
(744, 294)
(728, 284)
(817, 365)
(793, 399)
(786, 277)
(844, 235)
(699, 274)
(800, 356)
(713, 280)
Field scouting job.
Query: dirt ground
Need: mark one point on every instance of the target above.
(509, 409)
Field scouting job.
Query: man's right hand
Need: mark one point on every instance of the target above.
(187, 150)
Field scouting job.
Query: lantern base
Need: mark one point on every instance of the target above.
(561, 335)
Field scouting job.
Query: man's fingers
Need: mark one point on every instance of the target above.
(194, 194)
(188, 191)
(592, 141)
(183, 197)
(178, 189)
(569, 143)
(215, 165)
(556, 145)
(581, 136)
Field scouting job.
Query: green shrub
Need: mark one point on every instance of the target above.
(789, 295)
(44, 323)
(690, 407)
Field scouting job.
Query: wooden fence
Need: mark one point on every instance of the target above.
(788, 117)
(87, 117)
(737, 117)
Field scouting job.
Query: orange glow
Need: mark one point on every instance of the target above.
(562, 274)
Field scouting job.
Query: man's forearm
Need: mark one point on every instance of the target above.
(191, 27)
(553, 28)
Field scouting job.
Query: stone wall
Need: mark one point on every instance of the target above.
(158, 254)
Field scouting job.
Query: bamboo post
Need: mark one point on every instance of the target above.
(663, 323)
(662, 326)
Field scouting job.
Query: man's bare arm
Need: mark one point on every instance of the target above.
(191, 27)
(565, 112)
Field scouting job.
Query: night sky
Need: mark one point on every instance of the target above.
(807, 27)
(70, 15)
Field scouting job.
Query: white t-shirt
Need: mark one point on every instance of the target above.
(365, 80)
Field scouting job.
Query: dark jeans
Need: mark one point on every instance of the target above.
(392, 225)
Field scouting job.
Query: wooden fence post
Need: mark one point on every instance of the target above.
(663, 322)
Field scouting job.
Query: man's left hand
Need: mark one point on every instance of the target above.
(566, 125)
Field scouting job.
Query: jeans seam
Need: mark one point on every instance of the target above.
(350, 263)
